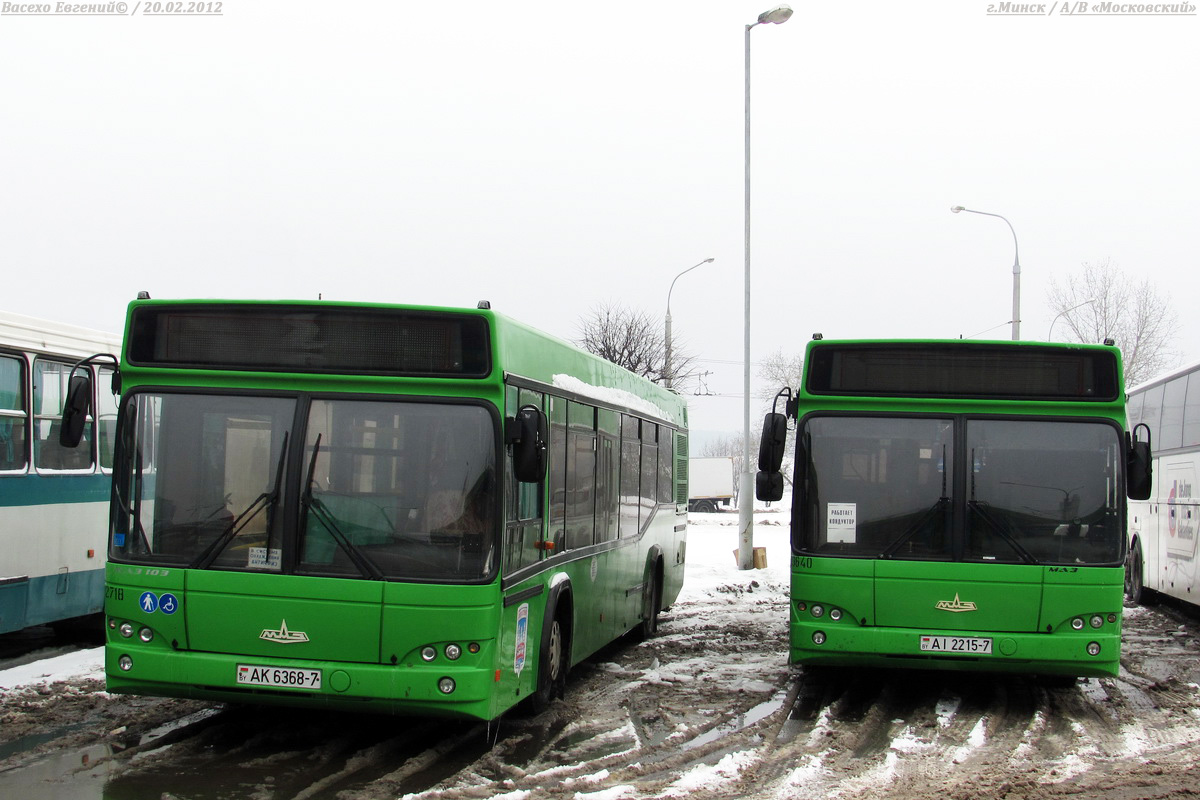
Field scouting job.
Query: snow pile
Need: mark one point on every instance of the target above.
(78, 665)
(605, 394)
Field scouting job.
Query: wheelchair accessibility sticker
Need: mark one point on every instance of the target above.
(167, 603)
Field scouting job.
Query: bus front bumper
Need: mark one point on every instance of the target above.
(1059, 653)
(417, 690)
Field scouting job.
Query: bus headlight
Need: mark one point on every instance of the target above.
(446, 685)
(126, 629)
(1097, 620)
(835, 614)
(818, 637)
(1077, 623)
(125, 663)
(1093, 648)
(453, 651)
(428, 653)
(818, 609)
(146, 635)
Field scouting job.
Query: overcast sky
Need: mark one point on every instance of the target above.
(552, 156)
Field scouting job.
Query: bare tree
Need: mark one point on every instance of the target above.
(1101, 302)
(634, 340)
(778, 370)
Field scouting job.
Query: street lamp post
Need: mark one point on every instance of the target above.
(668, 378)
(1016, 303)
(1063, 313)
(775, 16)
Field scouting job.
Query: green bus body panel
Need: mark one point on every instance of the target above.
(228, 612)
(352, 630)
(887, 605)
(1007, 597)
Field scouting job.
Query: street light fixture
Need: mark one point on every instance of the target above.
(1062, 313)
(774, 16)
(667, 376)
(1016, 303)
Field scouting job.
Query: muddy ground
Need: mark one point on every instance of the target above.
(707, 709)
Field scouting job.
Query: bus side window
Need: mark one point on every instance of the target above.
(49, 390)
(106, 417)
(522, 529)
(12, 413)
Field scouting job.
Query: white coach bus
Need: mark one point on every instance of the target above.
(53, 500)
(1163, 530)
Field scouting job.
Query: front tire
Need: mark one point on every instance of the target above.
(552, 666)
(1135, 578)
(651, 604)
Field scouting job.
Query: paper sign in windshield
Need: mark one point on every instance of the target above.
(842, 523)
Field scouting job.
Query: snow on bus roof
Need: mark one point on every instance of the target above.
(609, 395)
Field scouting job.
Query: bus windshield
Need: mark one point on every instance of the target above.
(1032, 491)
(376, 488)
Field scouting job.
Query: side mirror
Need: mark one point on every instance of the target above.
(1138, 466)
(768, 486)
(771, 445)
(75, 411)
(528, 438)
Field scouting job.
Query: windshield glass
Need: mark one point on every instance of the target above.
(987, 490)
(874, 485)
(198, 478)
(1043, 491)
(405, 488)
(379, 489)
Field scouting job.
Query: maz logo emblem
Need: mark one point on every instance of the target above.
(949, 605)
(283, 635)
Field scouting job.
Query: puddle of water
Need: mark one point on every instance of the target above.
(759, 712)
(178, 725)
(26, 743)
(591, 745)
(79, 774)
(65, 775)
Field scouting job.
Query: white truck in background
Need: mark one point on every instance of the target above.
(710, 483)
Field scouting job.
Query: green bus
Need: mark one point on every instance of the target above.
(418, 510)
(957, 505)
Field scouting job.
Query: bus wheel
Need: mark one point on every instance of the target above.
(1135, 585)
(651, 603)
(705, 507)
(552, 671)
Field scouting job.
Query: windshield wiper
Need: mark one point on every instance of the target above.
(264, 500)
(941, 506)
(314, 506)
(995, 524)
